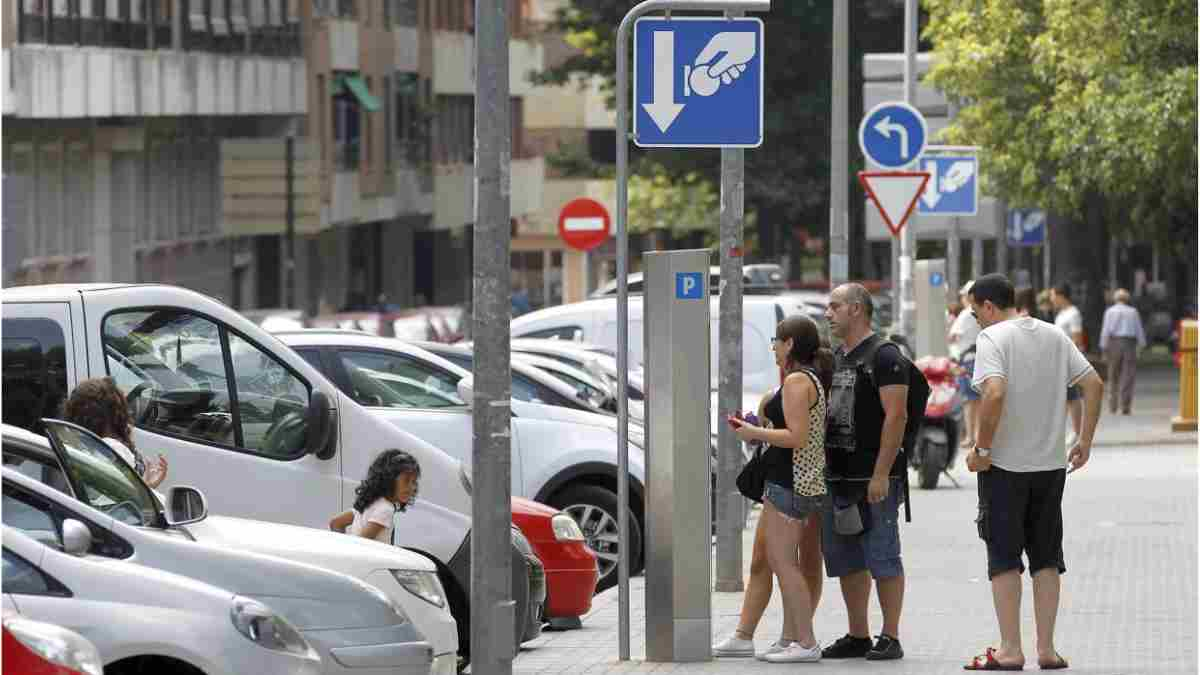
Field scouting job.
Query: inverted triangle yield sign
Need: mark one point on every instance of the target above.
(895, 194)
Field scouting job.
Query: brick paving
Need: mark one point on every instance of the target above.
(1129, 603)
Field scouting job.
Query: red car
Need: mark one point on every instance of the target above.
(36, 648)
(571, 571)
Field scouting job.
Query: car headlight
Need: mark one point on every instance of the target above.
(267, 629)
(57, 645)
(464, 477)
(424, 585)
(565, 528)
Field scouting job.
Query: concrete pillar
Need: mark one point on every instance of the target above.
(102, 216)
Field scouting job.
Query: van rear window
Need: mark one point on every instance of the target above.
(35, 371)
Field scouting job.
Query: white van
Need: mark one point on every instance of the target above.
(595, 321)
(237, 413)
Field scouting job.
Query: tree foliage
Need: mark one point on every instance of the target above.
(1076, 102)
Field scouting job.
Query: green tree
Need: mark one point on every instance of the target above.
(1085, 107)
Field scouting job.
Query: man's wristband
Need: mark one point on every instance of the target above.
(983, 452)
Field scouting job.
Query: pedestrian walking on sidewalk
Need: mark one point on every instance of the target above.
(1021, 460)
(762, 582)
(1070, 320)
(1122, 337)
(794, 495)
(866, 428)
(961, 337)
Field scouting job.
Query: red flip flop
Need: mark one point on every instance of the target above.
(987, 661)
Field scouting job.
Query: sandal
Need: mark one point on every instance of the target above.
(1060, 664)
(987, 661)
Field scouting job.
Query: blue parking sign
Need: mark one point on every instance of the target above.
(689, 285)
(953, 188)
(698, 82)
(1026, 227)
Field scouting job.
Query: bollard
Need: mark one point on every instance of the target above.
(1186, 421)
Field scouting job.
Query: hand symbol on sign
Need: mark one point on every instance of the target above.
(736, 50)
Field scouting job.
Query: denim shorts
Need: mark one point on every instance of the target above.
(964, 381)
(876, 550)
(790, 504)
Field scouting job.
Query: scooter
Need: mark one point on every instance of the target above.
(937, 443)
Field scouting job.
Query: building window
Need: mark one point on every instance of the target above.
(455, 142)
(410, 122)
(401, 12)
(351, 98)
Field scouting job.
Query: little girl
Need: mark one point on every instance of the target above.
(390, 486)
(99, 406)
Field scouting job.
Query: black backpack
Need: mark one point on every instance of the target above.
(918, 397)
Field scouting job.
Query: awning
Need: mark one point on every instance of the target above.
(358, 87)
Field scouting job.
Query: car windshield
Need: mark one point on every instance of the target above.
(390, 390)
(107, 483)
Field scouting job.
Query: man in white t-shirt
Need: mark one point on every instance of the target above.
(1069, 320)
(1022, 367)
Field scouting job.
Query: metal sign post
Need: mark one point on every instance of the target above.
(663, 113)
(492, 607)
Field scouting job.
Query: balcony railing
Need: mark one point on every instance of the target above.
(262, 27)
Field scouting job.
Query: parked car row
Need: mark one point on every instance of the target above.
(276, 447)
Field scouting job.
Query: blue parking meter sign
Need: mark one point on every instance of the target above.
(893, 134)
(953, 188)
(689, 285)
(1026, 227)
(698, 82)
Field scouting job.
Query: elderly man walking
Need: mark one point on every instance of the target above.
(1022, 366)
(1120, 340)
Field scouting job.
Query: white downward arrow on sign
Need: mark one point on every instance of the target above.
(663, 109)
(885, 127)
(931, 197)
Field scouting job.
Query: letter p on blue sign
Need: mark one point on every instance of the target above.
(689, 285)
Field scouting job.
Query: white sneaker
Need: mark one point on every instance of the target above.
(794, 653)
(773, 648)
(733, 646)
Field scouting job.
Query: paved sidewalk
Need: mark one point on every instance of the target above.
(1155, 402)
(1129, 603)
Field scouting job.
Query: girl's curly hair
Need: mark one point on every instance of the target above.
(381, 478)
(99, 406)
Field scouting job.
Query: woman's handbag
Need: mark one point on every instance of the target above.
(753, 478)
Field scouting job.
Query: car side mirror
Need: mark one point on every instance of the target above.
(466, 389)
(77, 538)
(321, 428)
(186, 505)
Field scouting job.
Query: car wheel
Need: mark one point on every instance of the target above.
(595, 509)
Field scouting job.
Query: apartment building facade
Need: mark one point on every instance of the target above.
(158, 140)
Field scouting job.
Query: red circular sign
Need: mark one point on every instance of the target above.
(583, 224)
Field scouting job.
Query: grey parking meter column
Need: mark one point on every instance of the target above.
(678, 464)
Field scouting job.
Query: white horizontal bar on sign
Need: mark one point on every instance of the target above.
(593, 224)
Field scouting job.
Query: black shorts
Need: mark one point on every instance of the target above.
(1021, 513)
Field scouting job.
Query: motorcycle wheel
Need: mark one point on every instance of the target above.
(932, 461)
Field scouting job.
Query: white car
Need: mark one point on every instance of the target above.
(408, 578)
(595, 321)
(252, 432)
(354, 626)
(563, 457)
(144, 620)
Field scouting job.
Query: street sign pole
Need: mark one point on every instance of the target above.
(622, 178)
(492, 607)
(730, 503)
(839, 166)
(907, 305)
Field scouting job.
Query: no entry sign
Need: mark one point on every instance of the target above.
(583, 224)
